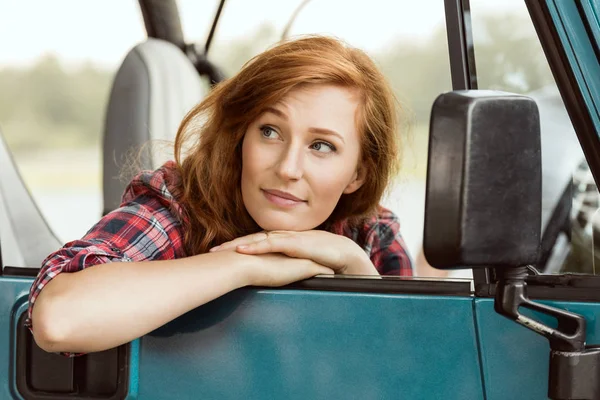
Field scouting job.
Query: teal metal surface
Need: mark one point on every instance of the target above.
(18, 309)
(134, 372)
(293, 344)
(288, 344)
(515, 360)
(591, 10)
(13, 303)
(13, 293)
(579, 48)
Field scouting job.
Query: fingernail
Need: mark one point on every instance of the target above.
(242, 247)
(214, 248)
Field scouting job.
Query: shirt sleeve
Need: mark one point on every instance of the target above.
(134, 232)
(386, 247)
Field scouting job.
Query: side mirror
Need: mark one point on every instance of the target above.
(483, 209)
(484, 181)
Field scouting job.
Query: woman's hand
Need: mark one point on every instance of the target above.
(337, 252)
(275, 270)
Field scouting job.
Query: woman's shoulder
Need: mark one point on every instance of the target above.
(160, 184)
(383, 226)
(379, 229)
(384, 215)
(379, 236)
(384, 223)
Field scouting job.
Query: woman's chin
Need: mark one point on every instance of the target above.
(284, 224)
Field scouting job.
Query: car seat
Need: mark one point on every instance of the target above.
(26, 237)
(154, 88)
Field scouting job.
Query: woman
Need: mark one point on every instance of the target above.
(277, 177)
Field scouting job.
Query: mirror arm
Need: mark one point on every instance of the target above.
(203, 65)
(574, 366)
(511, 294)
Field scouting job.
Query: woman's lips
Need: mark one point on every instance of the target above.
(276, 197)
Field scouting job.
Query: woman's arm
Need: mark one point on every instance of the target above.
(379, 237)
(110, 304)
(337, 252)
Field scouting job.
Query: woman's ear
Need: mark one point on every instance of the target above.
(357, 181)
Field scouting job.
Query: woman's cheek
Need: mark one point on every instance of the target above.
(328, 186)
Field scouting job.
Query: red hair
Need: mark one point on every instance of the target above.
(212, 134)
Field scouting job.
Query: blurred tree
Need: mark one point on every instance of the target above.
(231, 56)
(508, 57)
(48, 105)
(418, 71)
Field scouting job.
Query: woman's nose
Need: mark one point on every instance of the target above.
(290, 165)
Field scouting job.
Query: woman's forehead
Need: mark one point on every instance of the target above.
(315, 97)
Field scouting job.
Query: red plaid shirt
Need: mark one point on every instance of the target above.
(147, 227)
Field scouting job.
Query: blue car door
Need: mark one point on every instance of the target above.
(324, 338)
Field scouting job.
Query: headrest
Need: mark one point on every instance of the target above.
(153, 90)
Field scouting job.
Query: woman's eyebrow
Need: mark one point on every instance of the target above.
(277, 112)
(324, 131)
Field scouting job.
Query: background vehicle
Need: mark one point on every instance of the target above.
(356, 337)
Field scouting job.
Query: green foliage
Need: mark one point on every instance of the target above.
(232, 56)
(418, 73)
(50, 106)
(509, 56)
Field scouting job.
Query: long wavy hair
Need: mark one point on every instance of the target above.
(208, 146)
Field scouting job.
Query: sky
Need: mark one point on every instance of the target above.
(102, 31)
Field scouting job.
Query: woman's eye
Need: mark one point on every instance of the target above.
(323, 147)
(269, 132)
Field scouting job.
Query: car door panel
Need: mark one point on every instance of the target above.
(256, 343)
(515, 360)
(13, 302)
(28, 372)
(315, 344)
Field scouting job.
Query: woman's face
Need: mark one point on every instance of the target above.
(300, 156)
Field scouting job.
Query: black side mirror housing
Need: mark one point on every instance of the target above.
(484, 181)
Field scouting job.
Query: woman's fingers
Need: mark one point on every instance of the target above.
(262, 247)
(278, 270)
(337, 252)
(244, 240)
(274, 243)
(323, 248)
(307, 269)
(325, 271)
(320, 270)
